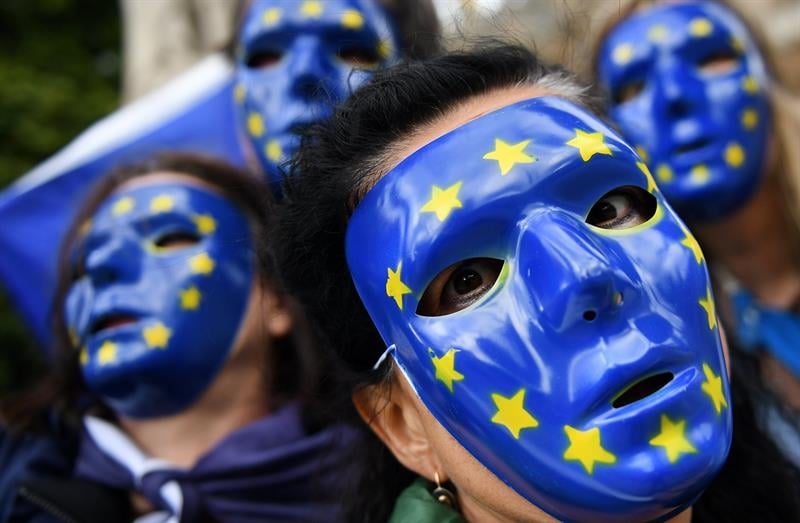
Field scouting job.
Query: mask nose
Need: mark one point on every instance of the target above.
(677, 91)
(114, 261)
(310, 70)
(573, 276)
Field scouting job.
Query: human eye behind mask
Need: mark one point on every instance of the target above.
(466, 282)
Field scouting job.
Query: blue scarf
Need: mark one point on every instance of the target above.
(269, 470)
(761, 327)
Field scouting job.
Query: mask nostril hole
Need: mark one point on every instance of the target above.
(589, 315)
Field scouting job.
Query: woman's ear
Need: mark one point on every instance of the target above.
(392, 412)
(277, 312)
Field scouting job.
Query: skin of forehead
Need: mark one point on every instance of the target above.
(466, 111)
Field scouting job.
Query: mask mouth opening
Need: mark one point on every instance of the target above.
(694, 145)
(111, 321)
(642, 389)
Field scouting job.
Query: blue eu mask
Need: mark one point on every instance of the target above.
(688, 88)
(589, 377)
(165, 274)
(296, 59)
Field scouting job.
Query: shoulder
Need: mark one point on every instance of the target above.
(417, 505)
(27, 455)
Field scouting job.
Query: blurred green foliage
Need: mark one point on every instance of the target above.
(59, 72)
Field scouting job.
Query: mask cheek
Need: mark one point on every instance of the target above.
(77, 310)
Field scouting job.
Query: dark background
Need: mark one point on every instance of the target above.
(59, 72)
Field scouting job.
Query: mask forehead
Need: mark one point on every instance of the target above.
(521, 378)
(683, 29)
(296, 59)
(167, 274)
(346, 18)
(540, 162)
(688, 85)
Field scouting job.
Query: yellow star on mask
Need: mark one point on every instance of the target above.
(707, 304)
(657, 34)
(664, 173)
(201, 263)
(700, 27)
(384, 49)
(205, 223)
(443, 201)
(190, 298)
(690, 243)
(311, 9)
(589, 144)
(271, 16)
(83, 357)
(73, 337)
(107, 353)
(622, 54)
(507, 155)
(734, 155)
(713, 388)
(238, 93)
(749, 118)
(274, 151)
(673, 439)
(352, 19)
(395, 288)
(255, 125)
(699, 174)
(651, 183)
(585, 446)
(750, 85)
(511, 413)
(156, 336)
(162, 203)
(122, 206)
(643, 154)
(737, 43)
(446, 368)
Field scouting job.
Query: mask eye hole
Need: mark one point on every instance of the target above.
(358, 56)
(627, 91)
(622, 208)
(719, 62)
(459, 286)
(263, 59)
(175, 240)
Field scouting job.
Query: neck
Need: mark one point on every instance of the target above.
(235, 398)
(752, 246)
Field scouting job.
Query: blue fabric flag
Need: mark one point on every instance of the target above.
(194, 112)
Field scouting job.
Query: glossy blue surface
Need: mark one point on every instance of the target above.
(523, 378)
(689, 89)
(296, 59)
(164, 274)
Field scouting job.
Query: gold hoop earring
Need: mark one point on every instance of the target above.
(443, 495)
